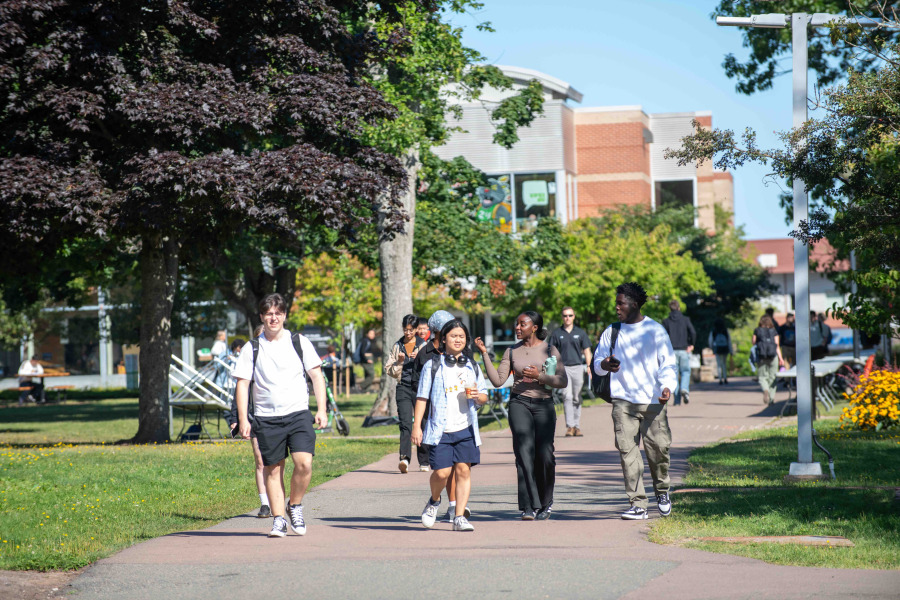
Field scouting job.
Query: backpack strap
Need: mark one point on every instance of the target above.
(435, 365)
(232, 414)
(614, 335)
(298, 348)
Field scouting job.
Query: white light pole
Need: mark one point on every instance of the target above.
(799, 22)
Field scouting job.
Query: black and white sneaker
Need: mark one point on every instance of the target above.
(429, 513)
(279, 528)
(298, 525)
(544, 513)
(664, 504)
(635, 513)
(264, 512)
(528, 515)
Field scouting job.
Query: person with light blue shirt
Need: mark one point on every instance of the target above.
(456, 388)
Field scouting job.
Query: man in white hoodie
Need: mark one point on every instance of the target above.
(642, 376)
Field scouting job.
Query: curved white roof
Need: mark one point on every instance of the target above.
(556, 86)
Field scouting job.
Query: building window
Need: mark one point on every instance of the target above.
(535, 198)
(674, 193)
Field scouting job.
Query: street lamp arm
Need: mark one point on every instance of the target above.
(770, 20)
(780, 21)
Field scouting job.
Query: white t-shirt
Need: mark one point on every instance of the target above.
(28, 368)
(279, 383)
(219, 347)
(455, 381)
(648, 362)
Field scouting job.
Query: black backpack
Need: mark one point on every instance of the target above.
(231, 416)
(765, 343)
(600, 384)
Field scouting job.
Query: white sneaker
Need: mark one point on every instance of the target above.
(298, 525)
(635, 513)
(664, 504)
(424, 468)
(404, 465)
(462, 524)
(429, 514)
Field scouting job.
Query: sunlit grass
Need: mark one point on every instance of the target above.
(754, 501)
(66, 504)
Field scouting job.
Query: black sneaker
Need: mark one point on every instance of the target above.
(298, 525)
(544, 513)
(664, 504)
(635, 513)
(279, 528)
(528, 515)
(264, 512)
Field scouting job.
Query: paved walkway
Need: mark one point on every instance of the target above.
(365, 539)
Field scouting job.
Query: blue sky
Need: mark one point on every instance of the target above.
(664, 56)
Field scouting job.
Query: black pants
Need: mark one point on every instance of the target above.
(369, 379)
(533, 425)
(406, 406)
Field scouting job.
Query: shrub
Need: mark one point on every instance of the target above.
(874, 401)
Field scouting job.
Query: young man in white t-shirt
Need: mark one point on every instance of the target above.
(643, 375)
(282, 421)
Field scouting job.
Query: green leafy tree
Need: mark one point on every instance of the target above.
(606, 253)
(159, 124)
(830, 56)
(336, 291)
(849, 161)
(426, 82)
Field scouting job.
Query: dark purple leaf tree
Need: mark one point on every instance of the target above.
(163, 123)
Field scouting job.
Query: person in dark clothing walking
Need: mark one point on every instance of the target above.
(401, 365)
(787, 335)
(683, 336)
(532, 417)
(575, 348)
(367, 355)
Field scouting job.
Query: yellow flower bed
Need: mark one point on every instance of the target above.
(874, 401)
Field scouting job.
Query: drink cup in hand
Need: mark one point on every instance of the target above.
(471, 392)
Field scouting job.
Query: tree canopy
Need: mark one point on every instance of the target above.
(167, 122)
(848, 159)
(605, 253)
(830, 56)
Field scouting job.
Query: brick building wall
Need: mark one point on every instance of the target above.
(612, 159)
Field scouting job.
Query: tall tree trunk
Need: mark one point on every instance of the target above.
(159, 275)
(395, 260)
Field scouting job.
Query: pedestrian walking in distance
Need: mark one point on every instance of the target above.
(683, 337)
(720, 342)
(768, 356)
(401, 365)
(642, 376)
(575, 349)
(456, 390)
(277, 367)
(532, 416)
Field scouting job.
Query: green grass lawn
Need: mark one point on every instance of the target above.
(753, 500)
(67, 499)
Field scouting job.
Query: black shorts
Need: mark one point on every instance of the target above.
(279, 436)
